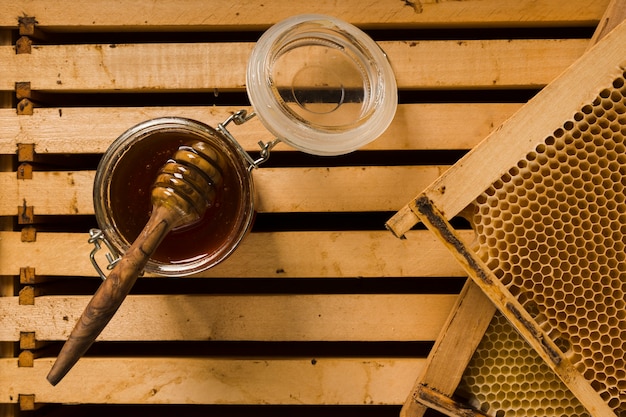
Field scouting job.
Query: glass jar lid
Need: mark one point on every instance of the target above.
(321, 85)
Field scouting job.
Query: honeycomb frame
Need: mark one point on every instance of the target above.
(553, 229)
(519, 150)
(549, 250)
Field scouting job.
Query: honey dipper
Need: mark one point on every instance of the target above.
(183, 190)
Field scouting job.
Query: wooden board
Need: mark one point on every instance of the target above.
(455, 345)
(333, 317)
(344, 381)
(351, 189)
(159, 67)
(282, 255)
(426, 126)
(202, 15)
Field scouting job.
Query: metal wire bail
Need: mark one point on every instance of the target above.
(240, 117)
(96, 237)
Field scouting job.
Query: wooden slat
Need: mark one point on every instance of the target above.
(216, 381)
(481, 63)
(59, 192)
(613, 15)
(199, 66)
(339, 189)
(284, 254)
(91, 130)
(456, 344)
(329, 317)
(278, 189)
(445, 404)
(214, 15)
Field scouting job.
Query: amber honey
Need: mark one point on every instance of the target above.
(132, 172)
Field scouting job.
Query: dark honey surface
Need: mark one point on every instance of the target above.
(131, 185)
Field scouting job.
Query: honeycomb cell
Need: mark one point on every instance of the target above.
(526, 386)
(560, 247)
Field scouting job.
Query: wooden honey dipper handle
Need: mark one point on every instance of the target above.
(183, 190)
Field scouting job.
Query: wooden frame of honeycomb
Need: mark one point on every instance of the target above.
(545, 195)
(553, 231)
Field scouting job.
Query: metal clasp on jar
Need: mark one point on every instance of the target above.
(239, 118)
(96, 237)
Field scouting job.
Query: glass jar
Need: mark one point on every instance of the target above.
(123, 185)
(317, 83)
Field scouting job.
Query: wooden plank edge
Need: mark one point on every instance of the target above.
(614, 14)
(443, 403)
